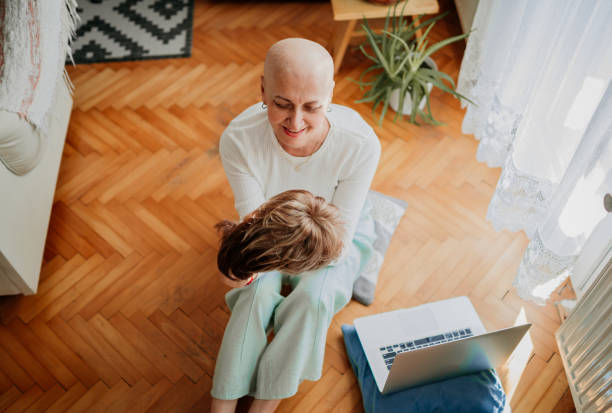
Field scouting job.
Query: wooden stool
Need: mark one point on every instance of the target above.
(347, 12)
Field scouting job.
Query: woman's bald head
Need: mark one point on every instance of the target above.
(297, 88)
(299, 59)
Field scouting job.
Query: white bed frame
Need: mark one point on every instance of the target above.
(25, 208)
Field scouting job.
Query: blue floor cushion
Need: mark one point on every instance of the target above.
(472, 393)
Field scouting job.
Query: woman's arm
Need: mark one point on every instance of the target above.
(248, 193)
(352, 189)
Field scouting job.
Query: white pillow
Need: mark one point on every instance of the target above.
(21, 145)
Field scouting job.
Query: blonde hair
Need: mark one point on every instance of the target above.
(292, 232)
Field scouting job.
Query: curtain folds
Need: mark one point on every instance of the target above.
(540, 74)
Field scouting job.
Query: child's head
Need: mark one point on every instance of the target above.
(292, 232)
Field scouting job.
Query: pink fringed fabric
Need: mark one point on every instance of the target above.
(2, 14)
(34, 58)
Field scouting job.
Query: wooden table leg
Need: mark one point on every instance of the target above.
(340, 41)
(416, 21)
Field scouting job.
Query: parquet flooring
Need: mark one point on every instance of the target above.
(129, 315)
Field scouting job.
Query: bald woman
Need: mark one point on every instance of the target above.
(295, 139)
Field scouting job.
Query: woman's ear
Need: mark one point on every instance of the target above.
(263, 92)
(331, 93)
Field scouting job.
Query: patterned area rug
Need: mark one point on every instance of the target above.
(119, 30)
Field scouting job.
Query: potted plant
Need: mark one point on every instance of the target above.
(402, 73)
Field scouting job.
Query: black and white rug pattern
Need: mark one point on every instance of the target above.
(120, 30)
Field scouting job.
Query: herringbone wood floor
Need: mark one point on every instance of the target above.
(129, 315)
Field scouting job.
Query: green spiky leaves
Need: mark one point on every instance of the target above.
(399, 62)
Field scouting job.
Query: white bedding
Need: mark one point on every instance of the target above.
(34, 43)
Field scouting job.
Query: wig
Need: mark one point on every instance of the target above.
(292, 232)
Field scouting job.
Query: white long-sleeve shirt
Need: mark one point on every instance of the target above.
(340, 171)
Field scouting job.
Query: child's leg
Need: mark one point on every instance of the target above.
(245, 336)
(302, 319)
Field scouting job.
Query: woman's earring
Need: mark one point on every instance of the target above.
(329, 109)
(264, 106)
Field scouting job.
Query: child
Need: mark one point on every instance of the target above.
(292, 232)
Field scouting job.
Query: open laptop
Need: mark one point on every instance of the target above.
(432, 342)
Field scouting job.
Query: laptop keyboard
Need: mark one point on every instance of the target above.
(389, 352)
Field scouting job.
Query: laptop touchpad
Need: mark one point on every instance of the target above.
(416, 322)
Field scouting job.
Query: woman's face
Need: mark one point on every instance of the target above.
(296, 110)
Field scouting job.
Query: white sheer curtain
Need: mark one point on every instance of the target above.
(539, 72)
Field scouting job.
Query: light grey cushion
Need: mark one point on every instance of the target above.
(387, 212)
